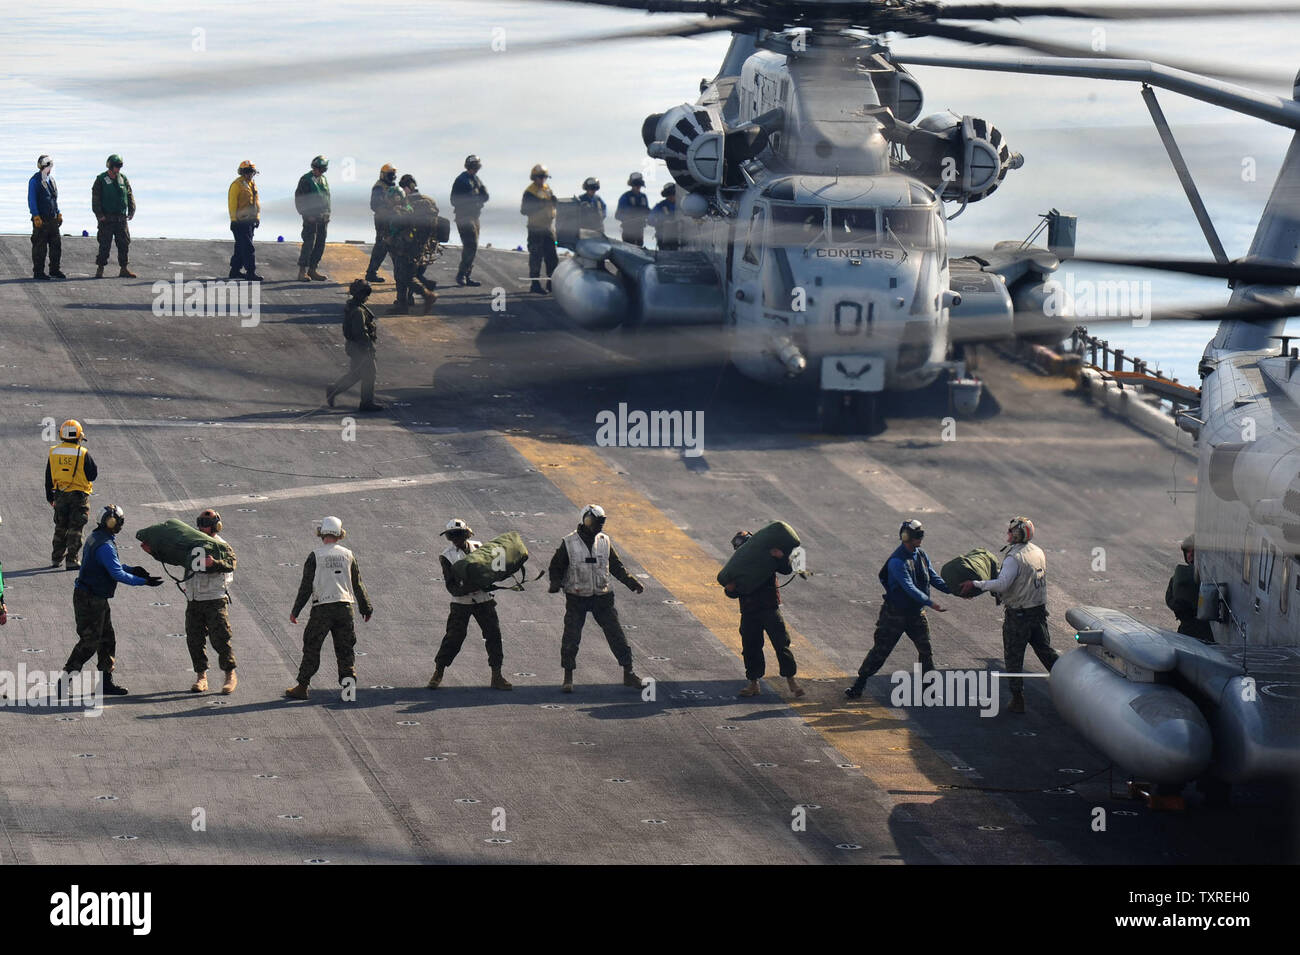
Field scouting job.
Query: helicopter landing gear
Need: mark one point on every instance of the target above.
(850, 412)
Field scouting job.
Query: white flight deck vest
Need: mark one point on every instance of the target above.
(453, 554)
(205, 585)
(333, 583)
(588, 572)
(1029, 589)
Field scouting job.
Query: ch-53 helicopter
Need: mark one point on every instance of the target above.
(812, 206)
(804, 175)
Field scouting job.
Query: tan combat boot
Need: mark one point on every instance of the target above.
(232, 681)
(125, 273)
(99, 272)
(435, 681)
(302, 274)
(795, 688)
(751, 689)
(630, 678)
(296, 692)
(200, 683)
(317, 276)
(568, 682)
(499, 682)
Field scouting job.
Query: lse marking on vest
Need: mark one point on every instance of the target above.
(653, 429)
(75, 908)
(213, 298)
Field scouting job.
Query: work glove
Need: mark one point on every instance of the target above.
(37, 222)
(4, 616)
(58, 220)
(637, 587)
(553, 589)
(256, 223)
(137, 571)
(154, 581)
(968, 588)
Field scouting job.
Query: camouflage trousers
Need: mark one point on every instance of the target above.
(71, 514)
(891, 624)
(602, 608)
(458, 627)
(1021, 628)
(1200, 629)
(326, 619)
(95, 636)
(208, 620)
(752, 626)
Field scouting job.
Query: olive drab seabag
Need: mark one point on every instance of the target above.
(174, 542)
(977, 564)
(752, 565)
(498, 559)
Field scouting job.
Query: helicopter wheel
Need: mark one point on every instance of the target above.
(849, 412)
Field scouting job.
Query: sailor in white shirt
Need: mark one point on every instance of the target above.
(1021, 587)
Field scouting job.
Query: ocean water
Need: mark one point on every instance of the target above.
(75, 83)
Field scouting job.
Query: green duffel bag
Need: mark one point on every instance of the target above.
(498, 559)
(752, 565)
(977, 564)
(174, 541)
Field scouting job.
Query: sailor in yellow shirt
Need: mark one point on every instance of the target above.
(69, 476)
(245, 216)
(538, 206)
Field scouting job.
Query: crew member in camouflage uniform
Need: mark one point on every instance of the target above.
(1183, 594)
(582, 566)
(331, 579)
(414, 242)
(383, 194)
(312, 199)
(113, 203)
(360, 334)
(1021, 586)
(70, 473)
(206, 617)
(907, 578)
(760, 610)
(478, 604)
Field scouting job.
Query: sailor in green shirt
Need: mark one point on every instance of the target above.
(113, 203)
(312, 197)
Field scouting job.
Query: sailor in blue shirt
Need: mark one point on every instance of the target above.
(907, 577)
(101, 572)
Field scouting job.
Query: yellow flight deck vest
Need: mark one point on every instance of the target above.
(588, 573)
(68, 468)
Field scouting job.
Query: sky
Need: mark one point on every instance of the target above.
(70, 86)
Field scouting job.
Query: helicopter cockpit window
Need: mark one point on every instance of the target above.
(854, 226)
(797, 225)
(914, 228)
(754, 238)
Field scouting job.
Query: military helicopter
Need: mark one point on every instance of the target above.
(786, 181)
(814, 209)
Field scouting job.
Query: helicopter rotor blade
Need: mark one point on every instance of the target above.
(977, 37)
(225, 77)
(1002, 11)
(1250, 273)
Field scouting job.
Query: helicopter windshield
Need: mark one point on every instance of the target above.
(854, 226)
(797, 225)
(914, 227)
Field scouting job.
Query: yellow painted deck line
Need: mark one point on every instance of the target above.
(874, 737)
